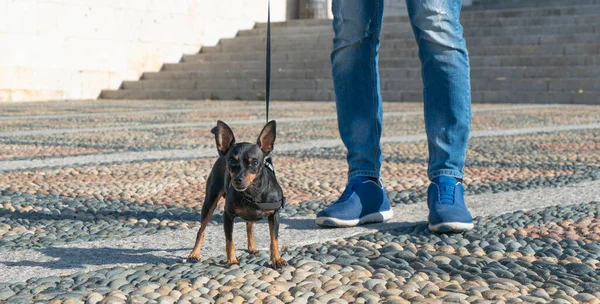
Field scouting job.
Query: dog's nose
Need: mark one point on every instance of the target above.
(238, 180)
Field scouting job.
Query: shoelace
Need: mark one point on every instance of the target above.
(446, 193)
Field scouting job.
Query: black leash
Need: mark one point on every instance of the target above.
(269, 159)
(268, 71)
(268, 68)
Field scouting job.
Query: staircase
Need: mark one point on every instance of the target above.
(521, 51)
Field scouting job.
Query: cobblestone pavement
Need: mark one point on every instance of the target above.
(99, 201)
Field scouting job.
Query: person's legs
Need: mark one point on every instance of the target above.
(447, 95)
(357, 25)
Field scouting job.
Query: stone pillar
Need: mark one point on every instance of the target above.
(291, 9)
(313, 9)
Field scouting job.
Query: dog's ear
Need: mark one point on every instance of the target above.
(223, 137)
(266, 139)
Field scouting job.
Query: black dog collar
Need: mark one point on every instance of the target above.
(269, 164)
(275, 205)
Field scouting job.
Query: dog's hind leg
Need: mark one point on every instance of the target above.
(250, 231)
(207, 211)
(214, 191)
(276, 259)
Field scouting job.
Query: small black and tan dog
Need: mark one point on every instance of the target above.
(247, 181)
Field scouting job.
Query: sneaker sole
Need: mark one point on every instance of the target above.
(378, 217)
(451, 227)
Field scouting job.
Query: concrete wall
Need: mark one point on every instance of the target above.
(71, 49)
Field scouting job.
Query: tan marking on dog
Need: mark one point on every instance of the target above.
(250, 232)
(276, 259)
(195, 254)
(250, 178)
(230, 251)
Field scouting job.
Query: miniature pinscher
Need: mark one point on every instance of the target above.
(244, 176)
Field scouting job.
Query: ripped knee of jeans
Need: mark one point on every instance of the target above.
(438, 32)
(437, 26)
(350, 32)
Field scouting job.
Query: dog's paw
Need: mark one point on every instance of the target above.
(278, 263)
(253, 251)
(193, 257)
(233, 262)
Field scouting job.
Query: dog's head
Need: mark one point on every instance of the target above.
(244, 160)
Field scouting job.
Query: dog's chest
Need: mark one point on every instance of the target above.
(249, 213)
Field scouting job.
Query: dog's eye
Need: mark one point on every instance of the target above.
(255, 162)
(232, 162)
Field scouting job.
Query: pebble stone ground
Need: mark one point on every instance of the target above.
(100, 200)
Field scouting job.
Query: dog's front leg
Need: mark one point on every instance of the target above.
(229, 246)
(276, 259)
(251, 244)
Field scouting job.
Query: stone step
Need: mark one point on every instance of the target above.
(320, 63)
(504, 84)
(512, 4)
(224, 94)
(528, 97)
(569, 8)
(566, 8)
(325, 34)
(413, 84)
(402, 30)
(298, 74)
(549, 54)
(475, 19)
(311, 42)
(327, 95)
(411, 52)
(295, 23)
(537, 7)
(260, 29)
(529, 21)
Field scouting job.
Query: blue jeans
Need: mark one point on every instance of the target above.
(445, 72)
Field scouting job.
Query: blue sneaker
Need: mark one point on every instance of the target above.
(447, 209)
(363, 201)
